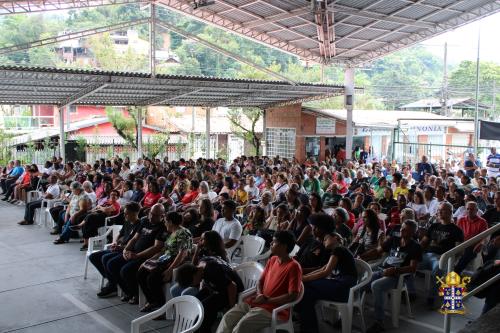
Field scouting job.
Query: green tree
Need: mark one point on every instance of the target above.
(157, 143)
(125, 126)
(247, 133)
(463, 82)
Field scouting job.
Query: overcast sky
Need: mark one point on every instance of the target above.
(462, 42)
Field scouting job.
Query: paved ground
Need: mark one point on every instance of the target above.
(42, 289)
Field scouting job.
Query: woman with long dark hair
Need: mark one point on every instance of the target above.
(369, 235)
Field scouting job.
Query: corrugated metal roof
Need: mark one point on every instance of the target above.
(33, 85)
(368, 20)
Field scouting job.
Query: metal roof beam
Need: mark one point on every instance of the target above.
(357, 47)
(87, 91)
(223, 51)
(375, 21)
(380, 17)
(72, 35)
(278, 17)
(204, 15)
(167, 97)
(455, 22)
(8, 7)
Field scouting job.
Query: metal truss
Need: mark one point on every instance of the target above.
(35, 6)
(324, 27)
(71, 35)
(218, 49)
(162, 99)
(87, 91)
(455, 22)
(204, 15)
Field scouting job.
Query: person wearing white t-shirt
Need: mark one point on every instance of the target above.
(138, 166)
(52, 192)
(251, 189)
(87, 188)
(431, 203)
(228, 227)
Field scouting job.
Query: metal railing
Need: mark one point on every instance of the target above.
(27, 122)
(447, 260)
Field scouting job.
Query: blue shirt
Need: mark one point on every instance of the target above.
(17, 171)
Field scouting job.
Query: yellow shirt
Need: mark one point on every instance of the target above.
(241, 196)
(399, 190)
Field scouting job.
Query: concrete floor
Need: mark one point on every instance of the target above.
(42, 289)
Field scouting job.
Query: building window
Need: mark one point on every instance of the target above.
(72, 109)
(280, 141)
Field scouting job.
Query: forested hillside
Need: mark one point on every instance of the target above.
(397, 79)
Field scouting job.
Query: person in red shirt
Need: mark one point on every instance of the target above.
(471, 225)
(96, 218)
(192, 194)
(280, 283)
(152, 196)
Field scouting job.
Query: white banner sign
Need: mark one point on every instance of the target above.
(325, 125)
(367, 131)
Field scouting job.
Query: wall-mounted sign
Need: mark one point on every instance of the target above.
(426, 130)
(325, 125)
(368, 131)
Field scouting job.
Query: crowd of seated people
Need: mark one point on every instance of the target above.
(188, 216)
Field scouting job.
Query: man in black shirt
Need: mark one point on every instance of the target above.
(492, 215)
(147, 241)
(220, 286)
(404, 255)
(312, 254)
(100, 259)
(439, 238)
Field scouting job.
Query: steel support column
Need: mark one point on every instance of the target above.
(139, 134)
(349, 105)
(207, 131)
(62, 148)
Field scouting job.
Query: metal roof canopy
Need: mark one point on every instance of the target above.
(348, 32)
(61, 87)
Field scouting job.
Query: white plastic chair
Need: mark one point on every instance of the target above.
(252, 248)
(98, 243)
(166, 290)
(396, 299)
(187, 312)
(295, 250)
(249, 273)
(102, 230)
(230, 251)
(356, 298)
(33, 195)
(276, 323)
(44, 210)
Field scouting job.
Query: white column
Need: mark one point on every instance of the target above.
(68, 117)
(349, 104)
(139, 133)
(62, 148)
(207, 131)
(263, 148)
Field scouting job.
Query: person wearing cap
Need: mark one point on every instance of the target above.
(331, 282)
(228, 227)
(312, 254)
